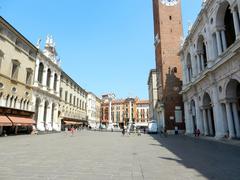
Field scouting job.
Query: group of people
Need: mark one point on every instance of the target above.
(136, 131)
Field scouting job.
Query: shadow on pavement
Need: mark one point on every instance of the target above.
(213, 160)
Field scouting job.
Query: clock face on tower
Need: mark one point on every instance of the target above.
(169, 2)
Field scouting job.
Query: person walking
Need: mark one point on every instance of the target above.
(123, 131)
(72, 131)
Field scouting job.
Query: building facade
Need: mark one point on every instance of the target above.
(73, 103)
(142, 114)
(124, 112)
(168, 33)
(211, 74)
(17, 65)
(93, 110)
(46, 88)
(152, 90)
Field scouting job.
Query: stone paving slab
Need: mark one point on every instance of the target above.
(104, 155)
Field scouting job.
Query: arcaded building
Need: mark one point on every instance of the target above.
(211, 71)
(17, 65)
(46, 88)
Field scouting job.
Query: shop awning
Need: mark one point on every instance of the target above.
(21, 121)
(4, 121)
(71, 122)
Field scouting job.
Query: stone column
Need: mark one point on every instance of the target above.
(202, 61)
(210, 121)
(40, 121)
(236, 22)
(236, 119)
(219, 43)
(44, 80)
(218, 118)
(198, 116)
(56, 123)
(36, 72)
(194, 66)
(3, 101)
(185, 74)
(199, 63)
(230, 121)
(187, 118)
(206, 132)
(224, 115)
(224, 41)
(52, 82)
(49, 117)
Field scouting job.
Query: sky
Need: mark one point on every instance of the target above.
(104, 45)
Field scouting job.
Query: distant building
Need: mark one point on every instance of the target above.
(211, 71)
(93, 110)
(124, 111)
(73, 104)
(142, 114)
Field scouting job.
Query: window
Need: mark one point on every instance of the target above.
(61, 92)
(55, 82)
(40, 73)
(66, 96)
(48, 77)
(29, 76)
(15, 69)
(70, 99)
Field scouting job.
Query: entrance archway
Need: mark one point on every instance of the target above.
(209, 124)
(233, 107)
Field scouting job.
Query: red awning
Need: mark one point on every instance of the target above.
(4, 121)
(21, 121)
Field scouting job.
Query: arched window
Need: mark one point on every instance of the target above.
(40, 73)
(229, 27)
(201, 53)
(55, 82)
(48, 77)
(225, 33)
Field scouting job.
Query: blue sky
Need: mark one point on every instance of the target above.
(104, 45)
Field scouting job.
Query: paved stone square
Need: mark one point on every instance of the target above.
(106, 155)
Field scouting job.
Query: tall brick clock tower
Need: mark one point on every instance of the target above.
(168, 32)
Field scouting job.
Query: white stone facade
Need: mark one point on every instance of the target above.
(211, 71)
(93, 110)
(152, 90)
(46, 88)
